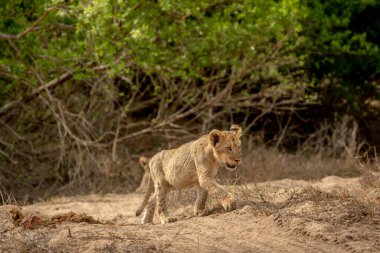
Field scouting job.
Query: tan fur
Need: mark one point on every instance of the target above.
(193, 164)
(144, 162)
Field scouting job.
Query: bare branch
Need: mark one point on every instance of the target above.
(64, 77)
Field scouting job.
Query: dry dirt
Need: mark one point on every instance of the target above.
(331, 215)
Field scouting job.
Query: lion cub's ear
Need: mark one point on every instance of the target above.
(215, 137)
(143, 161)
(236, 129)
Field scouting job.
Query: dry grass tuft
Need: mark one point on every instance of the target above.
(263, 163)
(8, 198)
(329, 151)
(370, 171)
(310, 193)
(370, 179)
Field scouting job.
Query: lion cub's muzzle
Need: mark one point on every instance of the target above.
(231, 166)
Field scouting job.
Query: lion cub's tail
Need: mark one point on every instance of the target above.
(149, 192)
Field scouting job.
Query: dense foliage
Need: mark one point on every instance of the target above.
(342, 51)
(81, 78)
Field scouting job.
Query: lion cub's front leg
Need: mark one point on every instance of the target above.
(226, 199)
(200, 203)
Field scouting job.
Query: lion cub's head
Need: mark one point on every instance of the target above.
(227, 146)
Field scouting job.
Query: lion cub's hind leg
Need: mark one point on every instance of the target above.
(162, 188)
(149, 211)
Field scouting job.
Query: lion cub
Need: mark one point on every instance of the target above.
(194, 164)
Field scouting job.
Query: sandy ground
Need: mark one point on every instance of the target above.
(331, 215)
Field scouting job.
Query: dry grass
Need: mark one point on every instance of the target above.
(263, 163)
(329, 151)
(7, 198)
(371, 179)
(369, 170)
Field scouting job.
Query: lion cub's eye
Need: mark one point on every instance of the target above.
(229, 149)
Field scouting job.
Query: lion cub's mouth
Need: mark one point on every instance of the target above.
(230, 167)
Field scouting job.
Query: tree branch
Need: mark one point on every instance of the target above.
(4, 36)
(64, 77)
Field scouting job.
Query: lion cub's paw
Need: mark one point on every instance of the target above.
(229, 203)
(168, 220)
(200, 213)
